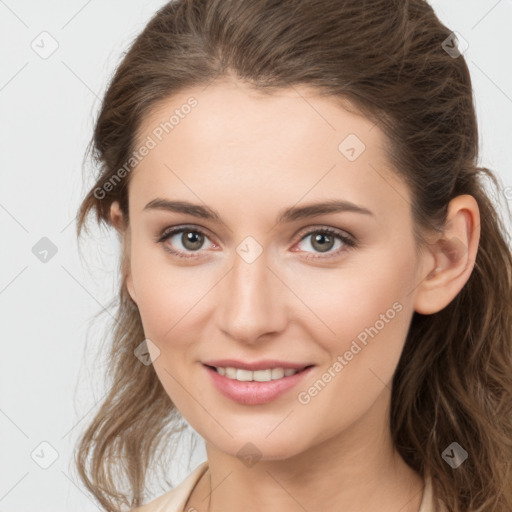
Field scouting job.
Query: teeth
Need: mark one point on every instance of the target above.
(258, 375)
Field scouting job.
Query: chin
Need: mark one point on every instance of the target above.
(252, 448)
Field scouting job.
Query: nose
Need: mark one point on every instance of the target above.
(251, 300)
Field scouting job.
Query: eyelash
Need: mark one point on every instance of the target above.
(349, 241)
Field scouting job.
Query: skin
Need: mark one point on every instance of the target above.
(248, 156)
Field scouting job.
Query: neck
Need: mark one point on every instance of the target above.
(357, 469)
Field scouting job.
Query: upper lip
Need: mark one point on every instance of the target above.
(256, 365)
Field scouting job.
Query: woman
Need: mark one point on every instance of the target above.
(238, 142)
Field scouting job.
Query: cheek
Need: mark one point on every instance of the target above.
(165, 291)
(344, 302)
(166, 297)
(362, 315)
(368, 315)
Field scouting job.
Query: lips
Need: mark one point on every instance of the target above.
(263, 364)
(254, 392)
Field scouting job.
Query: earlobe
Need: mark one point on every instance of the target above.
(454, 255)
(118, 222)
(130, 288)
(127, 271)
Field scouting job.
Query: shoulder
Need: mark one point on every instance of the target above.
(175, 499)
(427, 503)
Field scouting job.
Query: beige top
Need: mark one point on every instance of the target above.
(176, 499)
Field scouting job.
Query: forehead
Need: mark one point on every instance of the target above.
(235, 113)
(230, 139)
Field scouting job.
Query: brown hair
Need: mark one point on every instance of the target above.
(387, 57)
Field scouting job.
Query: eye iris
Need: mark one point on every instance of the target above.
(192, 237)
(323, 247)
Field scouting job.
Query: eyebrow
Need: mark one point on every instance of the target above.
(290, 214)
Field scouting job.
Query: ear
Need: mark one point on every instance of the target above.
(119, 222)
(450, 258)
(116, 217)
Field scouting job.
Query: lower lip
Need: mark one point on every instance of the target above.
(255, 393)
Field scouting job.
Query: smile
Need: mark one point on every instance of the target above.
(257, 375)
(255, 387)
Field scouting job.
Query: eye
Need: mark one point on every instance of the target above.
(191, 239)
(324, 239)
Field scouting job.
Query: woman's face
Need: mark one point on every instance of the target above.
(258, 278)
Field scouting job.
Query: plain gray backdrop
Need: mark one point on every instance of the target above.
(56, 60)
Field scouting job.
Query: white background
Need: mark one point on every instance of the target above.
(49, 384)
